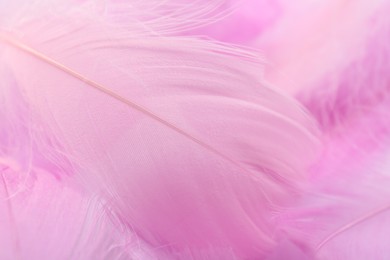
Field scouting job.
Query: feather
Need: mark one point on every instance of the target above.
(43, 213)
(191, 149)
(345, 216)
(123, 136)
(34, 225)
(245, 22)
(312, 39)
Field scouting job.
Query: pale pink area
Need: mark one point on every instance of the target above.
(314, 38)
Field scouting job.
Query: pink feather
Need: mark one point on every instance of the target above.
(180, 136)
(123, 136)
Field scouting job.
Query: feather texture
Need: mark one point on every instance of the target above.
(346, 214)
(181, 136)
(122, 136)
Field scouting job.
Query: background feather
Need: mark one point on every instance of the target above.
(346, 214)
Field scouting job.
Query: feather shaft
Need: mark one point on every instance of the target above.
(352, 224)
(16, 44)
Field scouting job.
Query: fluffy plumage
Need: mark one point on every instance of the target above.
(124, 137)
